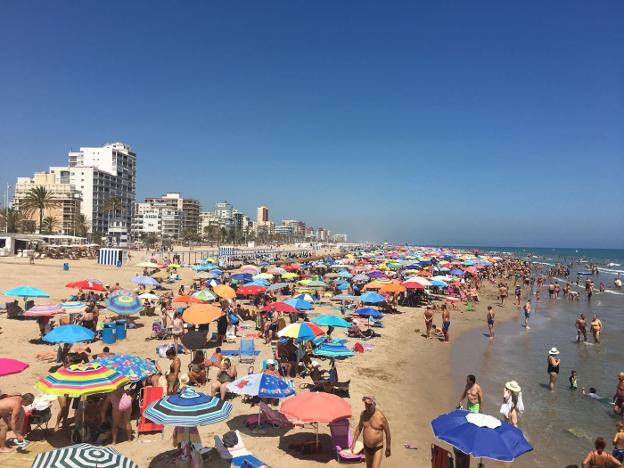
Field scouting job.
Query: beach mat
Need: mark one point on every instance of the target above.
(235, 352)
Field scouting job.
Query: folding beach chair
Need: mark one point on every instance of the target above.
(247, 351)
(441, 458)
(342, 437)
(148, 396)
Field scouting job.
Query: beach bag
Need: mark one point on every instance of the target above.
(358, 348)
(230, 439)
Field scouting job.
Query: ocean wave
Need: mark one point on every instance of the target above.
(613, 264)
(610, 271)
(617, 293)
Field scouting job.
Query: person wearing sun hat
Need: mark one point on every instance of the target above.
(553, 367)
(512, 402)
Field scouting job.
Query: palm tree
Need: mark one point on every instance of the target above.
(38, 199)
(112, 205)
(81, 225)
(10, 219)
(28, 225)
(50, 224)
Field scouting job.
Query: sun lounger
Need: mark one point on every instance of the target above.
(342, 438)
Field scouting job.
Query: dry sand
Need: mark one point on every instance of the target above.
(409, 375)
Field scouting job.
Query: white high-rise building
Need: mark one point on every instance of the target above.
(100, 175)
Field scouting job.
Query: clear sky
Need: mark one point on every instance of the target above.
(491, 123)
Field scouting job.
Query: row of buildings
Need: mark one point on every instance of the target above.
(96, 193)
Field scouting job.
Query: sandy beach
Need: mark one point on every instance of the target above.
(409, 375)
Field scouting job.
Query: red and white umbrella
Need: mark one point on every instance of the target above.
(44, 310)
(88, 285)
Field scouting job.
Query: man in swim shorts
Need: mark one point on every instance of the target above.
(581, 328)
(490, 320)
(473, 395)
(373, 424)
(527, 314)
(446, 322)
(619, 396)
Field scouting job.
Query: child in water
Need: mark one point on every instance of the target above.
(572, 379)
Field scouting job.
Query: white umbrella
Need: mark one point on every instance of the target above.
(149, 296)
(418, 279)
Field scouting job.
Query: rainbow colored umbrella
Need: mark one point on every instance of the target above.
(82, 379)
(301, 331)
(204, 295)
(10, 366)
(124, 302)
(133, 368)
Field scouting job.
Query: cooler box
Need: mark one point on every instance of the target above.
(108, 333)
(66, 266)
(121, 329)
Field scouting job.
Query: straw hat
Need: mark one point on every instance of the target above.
(513, 386)
(184, 379)
(553, 351)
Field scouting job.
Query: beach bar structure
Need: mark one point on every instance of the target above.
(115, 257)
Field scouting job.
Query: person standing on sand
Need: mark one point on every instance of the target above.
(502, 292)
(527, 314)
(518, 293)
(446, 322)
(490, 320)
(553, 367)
(372, 425)
(11, 417)
(473, 395)
(581, 328)
(428, 316)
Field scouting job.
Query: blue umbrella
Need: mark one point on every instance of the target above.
(344, 274)
(331, 321)
(438, 283)
(481, 435)
(372, 297)
(241, 277)
(69, 334)
(145, 280)
(124, 302)
(26, 291)
(458, 272)
(299, 303)
(369, 312)
(342, 285)
(333, 351)
(261, 385)
(188, 409)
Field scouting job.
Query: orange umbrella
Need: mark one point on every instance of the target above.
(424, 273)
(375, 285)
(186, 299)
(199, 314)
(392, 288)
(223, 290)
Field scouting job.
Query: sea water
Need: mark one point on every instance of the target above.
(562, 424)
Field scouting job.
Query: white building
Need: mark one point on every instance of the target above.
(101, 174)
(158, 218)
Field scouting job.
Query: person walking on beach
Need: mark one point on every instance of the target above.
(553, 367)
(372, 425)
(598, 458)
(527, 314)
(446, 322)
(428, 316)
(490, 320)
(581, 328)
(596, 326)
(518, 293)
(473, 395)
(502, 292)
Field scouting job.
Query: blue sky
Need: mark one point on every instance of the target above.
(496, 123)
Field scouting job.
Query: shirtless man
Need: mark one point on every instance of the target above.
(446, 322)
(527, 314)
(372, 425)
(428, 315)
(11, 417)
(618, 407)
(502, 292)
(581, 328)
(490, 320)
(473, 395)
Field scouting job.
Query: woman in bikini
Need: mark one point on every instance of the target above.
(197, 369)
(173, 376)
(121, 403)
(598, 458)
(226, 374)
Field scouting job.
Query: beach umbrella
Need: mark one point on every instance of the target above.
(301, 331)
(316, 407)
(145, 281)
(276, 271)
(306, 297)
(280, 307)
(470, 269)
(276, 286)
(133, 368)
(148, 265)
(456, 272)
(438, 283)
(392, 288)
(188, 409)
(250, 290)
(266, 276)
(81, 379)
(375, 274)
(202, 275)
(314, 284)
(149, 296)
(331, 321)
(333, 351)
(198, 314)
(26, 291)
(345, 297)
(480, 435)
(261, 385)
(251, 269)
(413, 285)
(83, 456)
(124, 302)
(44, 311)
(369, 312)
(372, 297)
(258, 282)
(290, 275)
(73, 306)
(299, 303)
(194, 339)
(360, 278)
(292, 267)
(344, 274)
(69, 334)
(224, 291)
(87, 285)
(10, 366)
(241, 277)
(204, 295)
(417, 279)
(186, 299)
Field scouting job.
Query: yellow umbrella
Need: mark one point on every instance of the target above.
(290, 275)
(223, 290)
(198, 314)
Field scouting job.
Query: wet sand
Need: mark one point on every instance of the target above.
(410, 375)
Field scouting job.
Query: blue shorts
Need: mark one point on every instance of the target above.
(527, 314)
(446, 325)
(618, 453)
(491, 323)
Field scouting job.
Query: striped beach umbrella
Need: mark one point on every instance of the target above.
(83, 455)
(301, 331)
(188, 409)
(73, 306)
(124, 302)
(204, 295)
(133, 368)
(81, 379)
(333, 351)
(44, 310)
(261, 385)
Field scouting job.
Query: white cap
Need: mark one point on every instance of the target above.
(316, 364)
